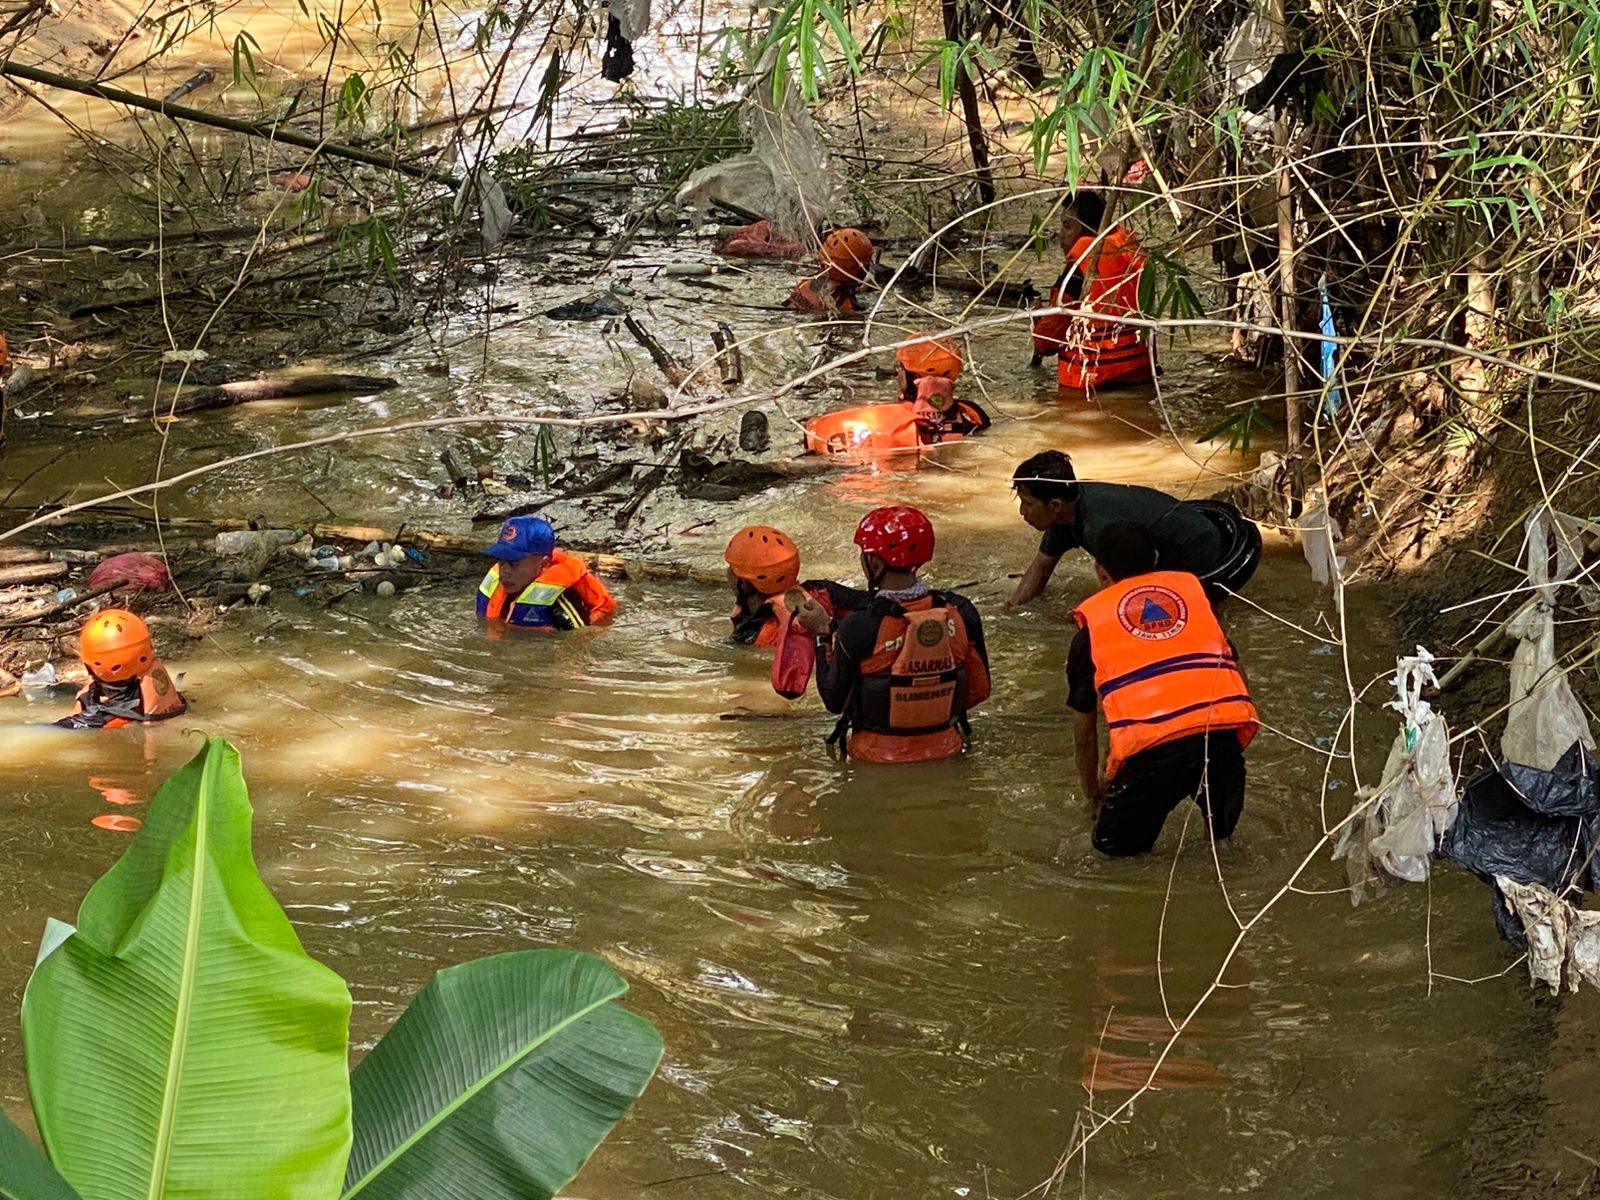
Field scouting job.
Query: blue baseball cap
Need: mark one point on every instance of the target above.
(521, 537)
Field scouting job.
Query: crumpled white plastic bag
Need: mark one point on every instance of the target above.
(482, 190)
(1545, 718)
(1396, 826)
(1318, 533)
(1578, 556)
(1563, 940)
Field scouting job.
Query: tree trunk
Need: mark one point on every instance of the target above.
(967, 90)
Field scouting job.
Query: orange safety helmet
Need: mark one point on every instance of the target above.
(764, 558)
(115, 646)
(847, 253)
(940, 357)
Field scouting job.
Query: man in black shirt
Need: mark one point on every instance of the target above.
(1205, 538)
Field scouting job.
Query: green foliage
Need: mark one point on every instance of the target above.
(182, 1026)
(370, 243)
(797, 38)
(180, 1044)
(245, 49)
(954, 57)
(25, 1173)
(355, 101)
(544, 452)
(1165, 290)
(1103, 78)
(442, 1105)
(1239, 428)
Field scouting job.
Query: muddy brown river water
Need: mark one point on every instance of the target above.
(872, 982)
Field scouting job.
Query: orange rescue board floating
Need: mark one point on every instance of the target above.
(869, 429)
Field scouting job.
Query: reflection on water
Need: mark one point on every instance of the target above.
(871, 981)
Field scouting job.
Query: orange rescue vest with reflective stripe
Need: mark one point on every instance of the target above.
(1097, 351)
(563, 573)
(916, 687)
(1162, 667)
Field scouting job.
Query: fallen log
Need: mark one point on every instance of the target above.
(37, 572)
(180, 112)
(12, 555)
(617, 566)
(279, 387)
(60, 606)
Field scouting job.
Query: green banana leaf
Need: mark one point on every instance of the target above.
(498, 1082)
(25, 1173)
(180, 1044)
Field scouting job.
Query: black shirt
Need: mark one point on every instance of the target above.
(1186, 539)
(1080, 674)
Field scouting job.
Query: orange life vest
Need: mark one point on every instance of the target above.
(916, 687)
(1095, 352)
(159, 699)
(820, 294)
(779, 615)
(564, 572)
(868, 430)
(1162, 667)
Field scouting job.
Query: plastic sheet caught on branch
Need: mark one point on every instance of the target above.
(1530, 826)
(1397, 827)
(788, 177)
(1563, 940)
(1578, 556)
(1252, 47)
(1545, 718)
(1318, 533)
(482, 191)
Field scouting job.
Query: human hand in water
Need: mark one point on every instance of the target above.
(812, 617)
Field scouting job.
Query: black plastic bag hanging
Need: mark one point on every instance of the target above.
(1530, 826)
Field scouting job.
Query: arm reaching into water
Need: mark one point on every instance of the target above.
(1086, 743)
(1033, 580)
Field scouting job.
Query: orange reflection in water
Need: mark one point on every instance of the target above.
(116, 822)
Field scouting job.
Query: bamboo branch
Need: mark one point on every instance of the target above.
(181, 112)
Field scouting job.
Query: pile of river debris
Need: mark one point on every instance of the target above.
(199, 571)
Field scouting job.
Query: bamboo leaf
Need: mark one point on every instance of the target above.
(181, 1043)
(499, 1081)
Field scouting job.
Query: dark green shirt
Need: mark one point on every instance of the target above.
(1185, 538)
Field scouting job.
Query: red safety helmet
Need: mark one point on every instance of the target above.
(847, 253)
(898, 534)
(764, 558)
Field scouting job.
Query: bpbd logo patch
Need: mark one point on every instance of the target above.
(1153, 613)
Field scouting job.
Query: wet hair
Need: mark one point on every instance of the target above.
(1047, 476)
(1089, 207)
(1125, 549)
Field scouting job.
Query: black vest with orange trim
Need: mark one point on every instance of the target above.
(916, 686)
(158, 700)
(1163, 668)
